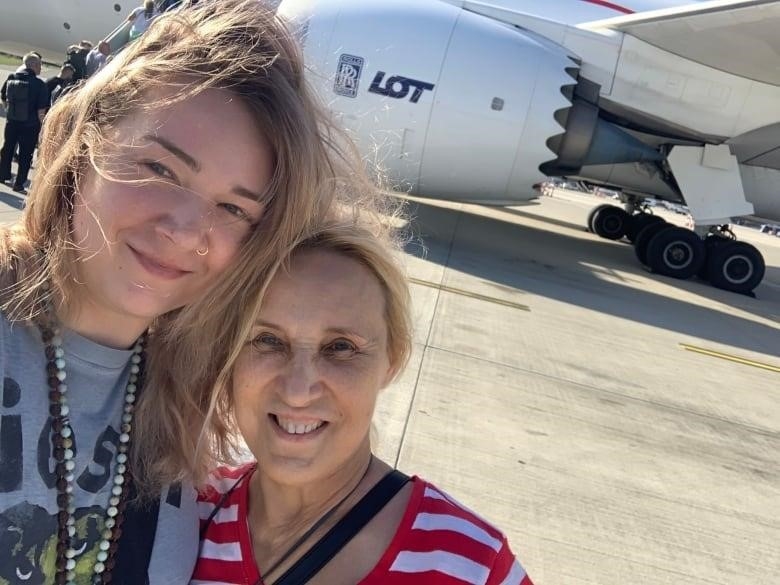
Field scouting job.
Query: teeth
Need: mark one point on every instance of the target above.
(298, 428)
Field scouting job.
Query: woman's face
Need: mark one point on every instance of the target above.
(306, 385)
(185, 190)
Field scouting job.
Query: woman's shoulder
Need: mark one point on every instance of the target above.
(441, 535)
(436, 505)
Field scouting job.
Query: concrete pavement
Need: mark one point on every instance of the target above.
(608, 452)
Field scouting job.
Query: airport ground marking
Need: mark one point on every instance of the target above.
(730, 358)
(472, 295)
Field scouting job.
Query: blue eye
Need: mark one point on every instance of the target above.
(235, 210)
(159, 169)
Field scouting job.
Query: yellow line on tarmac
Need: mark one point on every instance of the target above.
(469, 294)
(731, 358)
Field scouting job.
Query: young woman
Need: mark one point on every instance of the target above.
(330, 333)
(175, 175)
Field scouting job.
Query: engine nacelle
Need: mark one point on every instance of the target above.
(446, 102)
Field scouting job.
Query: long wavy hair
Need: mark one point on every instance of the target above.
(234, 45)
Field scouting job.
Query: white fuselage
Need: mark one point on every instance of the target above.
(54, 25)
(446, 142)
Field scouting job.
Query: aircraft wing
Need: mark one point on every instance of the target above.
(738, 37)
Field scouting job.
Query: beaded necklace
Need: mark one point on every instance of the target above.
(62, 442)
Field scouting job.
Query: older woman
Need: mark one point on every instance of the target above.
(331, 332)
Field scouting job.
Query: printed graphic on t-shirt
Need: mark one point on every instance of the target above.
(28, 531)
(28, 544)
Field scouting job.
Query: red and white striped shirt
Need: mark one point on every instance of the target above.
(439, 542)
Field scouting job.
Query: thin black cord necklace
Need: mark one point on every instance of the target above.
(317, 525)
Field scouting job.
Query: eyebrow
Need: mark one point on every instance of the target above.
(244, 192)
(336, 330)
(175, 151)
(193, 163)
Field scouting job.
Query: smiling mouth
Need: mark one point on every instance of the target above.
(292, 427)
(156, 268)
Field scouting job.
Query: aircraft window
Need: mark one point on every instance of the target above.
(117, 8)
(497, 104)
(66, 25)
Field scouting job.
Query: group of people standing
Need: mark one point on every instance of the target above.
(26, 99)
(204, 267)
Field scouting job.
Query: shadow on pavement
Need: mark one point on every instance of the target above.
(570, 270)
(11, 200)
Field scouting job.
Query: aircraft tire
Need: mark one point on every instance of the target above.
(643, 239)
(610, 222)
(676, 252)
(592, 214)
(710, 244)
(736, 267)
(639, 222)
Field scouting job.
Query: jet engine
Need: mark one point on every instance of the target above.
(444, 101)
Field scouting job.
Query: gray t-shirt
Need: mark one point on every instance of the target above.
(96, 378)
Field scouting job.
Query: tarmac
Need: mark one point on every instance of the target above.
(619, 427)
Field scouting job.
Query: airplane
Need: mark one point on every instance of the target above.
(481, 100)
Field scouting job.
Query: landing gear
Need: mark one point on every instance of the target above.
(610, 222)
(639, 222)
(592, 214)
(682, 253)
(642, 240)
(735, 266)
(676, 252)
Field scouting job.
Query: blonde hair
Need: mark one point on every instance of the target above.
(366, 245)
(235, 45)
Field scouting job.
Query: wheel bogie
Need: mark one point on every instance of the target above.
(680, 252)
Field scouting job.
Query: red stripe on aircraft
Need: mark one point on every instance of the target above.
(611, 5)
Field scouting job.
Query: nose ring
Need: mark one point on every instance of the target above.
(202, 252)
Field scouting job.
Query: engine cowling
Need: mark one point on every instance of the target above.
(447, 102)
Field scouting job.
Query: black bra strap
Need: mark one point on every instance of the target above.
(337, 537)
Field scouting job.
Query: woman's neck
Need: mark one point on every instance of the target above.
(103, 327)
(278, 506)
(285, 521)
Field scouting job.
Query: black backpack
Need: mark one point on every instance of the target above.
(18, 96)
(78, 60)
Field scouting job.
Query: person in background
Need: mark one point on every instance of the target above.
(330, 331)
(141, 17)
(77, 58)
(56, 83)
(97, 58)
(25, 98)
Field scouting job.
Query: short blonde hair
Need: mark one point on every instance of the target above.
(379, 255)
(368, 245)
